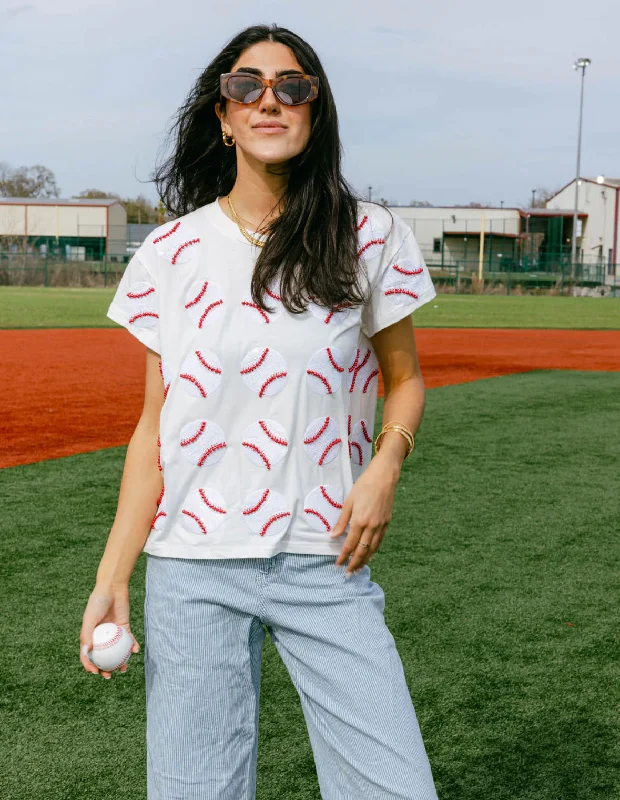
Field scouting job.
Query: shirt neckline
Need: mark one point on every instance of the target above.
(228, 226)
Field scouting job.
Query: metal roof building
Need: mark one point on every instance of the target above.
(92, 228)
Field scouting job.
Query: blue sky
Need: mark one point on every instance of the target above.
(461, 101)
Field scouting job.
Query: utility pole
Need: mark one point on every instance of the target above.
(533, 197)
(370, 192)
(581, 64)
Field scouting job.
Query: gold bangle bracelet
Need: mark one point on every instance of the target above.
(402, 429)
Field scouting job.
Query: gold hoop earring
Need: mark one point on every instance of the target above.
(224, 139)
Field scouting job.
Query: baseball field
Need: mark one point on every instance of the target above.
(500, 565)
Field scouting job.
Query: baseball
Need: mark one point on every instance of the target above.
(264, 371)
(364, 371)
(266, 512)
(324, 370)
(202, 442)
(265, 442)
(142, 305)
(177, 242)
(322, 440)
(201, 373)
(370, 238)
(256, 314)
(160, 517)
(401, 280)
(204, 303)
(111, 646)
(203, 510)
(322, 507)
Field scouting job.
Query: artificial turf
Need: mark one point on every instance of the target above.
(40, 307)
(500, 571)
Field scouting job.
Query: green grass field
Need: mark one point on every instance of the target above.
(500, 569)
(40, 307)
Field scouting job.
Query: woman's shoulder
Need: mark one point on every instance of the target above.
(375, 222)
(176, 238)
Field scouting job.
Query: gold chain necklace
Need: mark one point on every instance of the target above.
(248, 236)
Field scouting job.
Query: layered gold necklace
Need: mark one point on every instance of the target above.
(242, 228)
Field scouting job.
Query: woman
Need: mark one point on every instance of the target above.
(266, 306)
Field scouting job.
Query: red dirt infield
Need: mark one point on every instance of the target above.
(69, 391)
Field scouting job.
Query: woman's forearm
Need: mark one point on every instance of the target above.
(403, 403)
(140, 488)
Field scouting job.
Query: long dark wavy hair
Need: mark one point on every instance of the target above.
(312, 244)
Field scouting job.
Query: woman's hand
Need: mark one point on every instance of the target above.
(104, 605)
(368, 507)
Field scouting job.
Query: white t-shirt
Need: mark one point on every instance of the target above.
(268, 419)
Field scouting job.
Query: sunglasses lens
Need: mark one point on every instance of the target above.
(244, 88)
(294, 90)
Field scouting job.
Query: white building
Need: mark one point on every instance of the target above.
(78, 228)
(599, 202)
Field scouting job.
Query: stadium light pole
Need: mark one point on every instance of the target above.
(581, 64)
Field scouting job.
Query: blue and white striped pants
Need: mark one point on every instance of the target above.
(205, 622)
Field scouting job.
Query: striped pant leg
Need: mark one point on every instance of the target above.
(202, 657)
(342, 658)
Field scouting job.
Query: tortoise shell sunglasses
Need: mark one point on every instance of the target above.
(292, 90)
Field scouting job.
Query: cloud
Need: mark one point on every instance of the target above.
(15, 11)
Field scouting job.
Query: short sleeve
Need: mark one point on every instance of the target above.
(135, 304)
(400, 281)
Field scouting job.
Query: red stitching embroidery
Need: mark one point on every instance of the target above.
(319, 515)
(137, 295)
(258, 450)
(196, 436)
(210, 307)
(209, 504)
(333, 361)
(363, 222)
(368, 244)
(158, 516)
(273, 519)
(173, 260)
(206, 364)
(263, 313)
(269, 380)
(359, 449)
(166, 235)
(161, 370)
(158, 441)
(161, 496)
(372, 375)
(210, 450)
(199, 296)
(322, 378)
(349, 425)
(329, 499)
(195, 381)
(318, 433)
(144, 314)
(358, 368)
(407, 271)
(367, 436)
(327, 449)
(166, 388)
(256, 364)
(273, 294)
(400, 291)
(259, 504)
(271, 435)
(196, 517)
